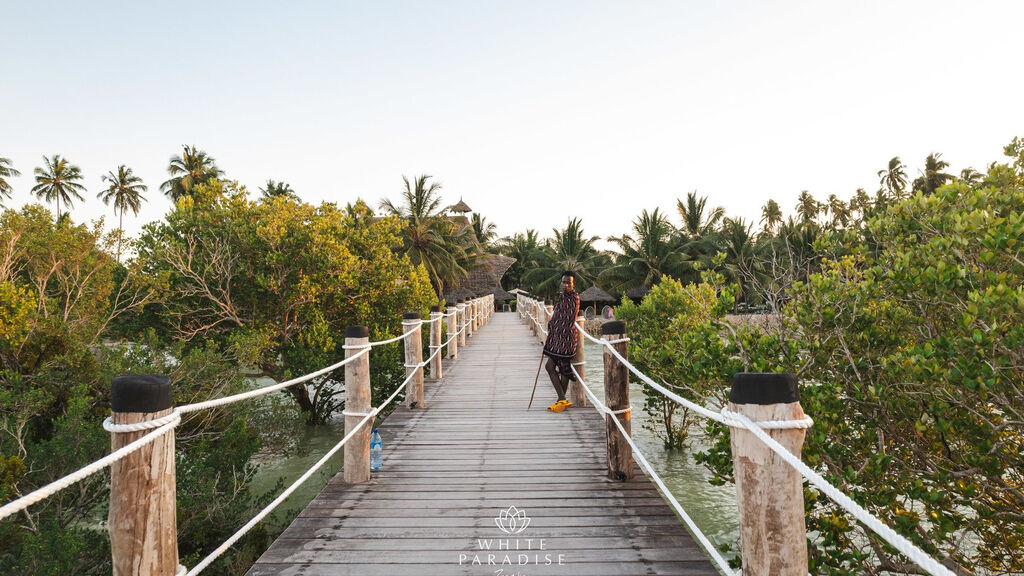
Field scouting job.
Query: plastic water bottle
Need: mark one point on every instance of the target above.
(376, 451)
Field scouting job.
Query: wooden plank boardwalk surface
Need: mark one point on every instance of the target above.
(474, 450)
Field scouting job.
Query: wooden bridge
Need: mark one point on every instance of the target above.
(472, 451)
(475, 484)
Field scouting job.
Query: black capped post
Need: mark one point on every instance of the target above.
(616, 398)
(773, 535)
(142, 516)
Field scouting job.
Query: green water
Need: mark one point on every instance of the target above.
(713, 508)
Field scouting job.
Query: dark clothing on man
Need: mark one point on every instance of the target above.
(562, 339)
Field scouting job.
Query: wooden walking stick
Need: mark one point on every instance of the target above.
(536, 379)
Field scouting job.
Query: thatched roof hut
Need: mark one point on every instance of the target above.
(484, 279)
(461, 207)
(595, 294)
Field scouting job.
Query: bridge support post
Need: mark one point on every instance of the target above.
(435, 342)
(142, 519)
(773, 536)
(356, 468)
(451, 318)
(413, 356)
(616, 397)
(461, 316)
(476, 314)
(576, 394)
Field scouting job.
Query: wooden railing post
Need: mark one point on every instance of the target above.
(773, 536)
(461, 308)
(451, 318)
(576, 394)
(476, 314)
(616, 397)
(356, 468)
(413, 356)
(534, 319)
(470, 322)
(542, 321)
(142, 521)
(435, 342)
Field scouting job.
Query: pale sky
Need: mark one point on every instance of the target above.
(532, 112)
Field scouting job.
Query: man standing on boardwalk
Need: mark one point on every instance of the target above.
(560, 346)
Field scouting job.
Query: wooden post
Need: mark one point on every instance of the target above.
(576, 394)
(435, 342)
(616, 397)
(532, 307)
(356, 467)
(542, 322)
(461, 309)
(452, 321)
(773, 536)
(476, 314)
(470, 326)
(413, 356)
(142, 522)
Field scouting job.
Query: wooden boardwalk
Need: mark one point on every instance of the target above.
(452, 467)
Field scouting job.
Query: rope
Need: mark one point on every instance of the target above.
(805, 422)
(52, 488)
(723, 565)
(267, 389)
(109, 426)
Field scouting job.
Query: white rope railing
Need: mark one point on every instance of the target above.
(737, 420)
(705, 543)
(210, 558)
(15, 506)
(167, 423)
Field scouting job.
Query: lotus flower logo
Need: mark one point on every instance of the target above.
(512, 520)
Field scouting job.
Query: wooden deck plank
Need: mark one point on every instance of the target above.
(472, 451)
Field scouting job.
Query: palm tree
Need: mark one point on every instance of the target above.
(738, 245)
(485, 231)
(861, 203)
(126, 191)
(894, 178)
(839, 210)
(6, 171)
(932, 178)
(807, 207)
(771, 215)
(275, 189)
(569, 251)
(429, 237)
(525, 248)
(970, 176)
(654, 250)
(697, 224)
(58, 180)
(192, 168)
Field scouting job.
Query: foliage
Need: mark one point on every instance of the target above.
(276, 281)
(6, 171)
(569, 250)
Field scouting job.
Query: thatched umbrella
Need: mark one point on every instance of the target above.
(500, 295)
(595, 295)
